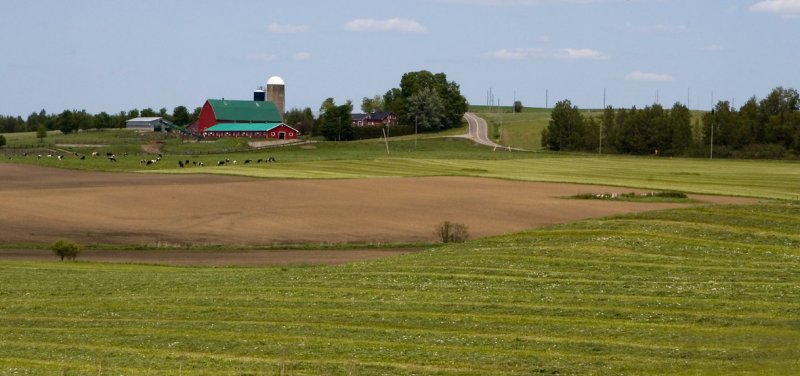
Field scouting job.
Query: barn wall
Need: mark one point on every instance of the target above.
(207, 118)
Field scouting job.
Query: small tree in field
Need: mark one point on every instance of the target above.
(2, 140)
(449, 232)
(66, 249)
(518, 107)
(41, 133)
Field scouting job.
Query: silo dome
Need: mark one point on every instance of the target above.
(275, 80)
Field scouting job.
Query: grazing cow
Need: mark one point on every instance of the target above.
(259, 160)
(49, 155)
(220, 163)
(25, 154)
(247, 161)
(271, 159)
(95, 154)
(112, 158)
(180, 163)
(186, 162)
(109, 154)
(194, 163)
(38, 156)
(60, 157)
(149, 162)
(83, 157)
(201, 164)
(160, 156)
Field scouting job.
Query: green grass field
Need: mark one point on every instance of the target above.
(440, 157)
(524, 130)
(703, 290)
(706, 290)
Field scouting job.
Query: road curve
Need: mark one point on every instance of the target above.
(479, 130)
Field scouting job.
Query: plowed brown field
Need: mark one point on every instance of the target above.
(40, 205)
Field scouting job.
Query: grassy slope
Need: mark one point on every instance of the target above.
(524, 130)
(712, 290)
(438, 157)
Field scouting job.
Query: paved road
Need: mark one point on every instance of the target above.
(479, 131)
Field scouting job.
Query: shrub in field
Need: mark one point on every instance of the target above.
(66, 249)
(449, 232)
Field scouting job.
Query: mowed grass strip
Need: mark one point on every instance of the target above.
(454, 157)
(653, 293)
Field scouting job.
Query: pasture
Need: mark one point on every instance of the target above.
(702, 290)
(693, 289)
(426, 157)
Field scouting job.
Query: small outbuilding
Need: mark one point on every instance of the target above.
(145, 124)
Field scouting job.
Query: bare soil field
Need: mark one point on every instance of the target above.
(40, 205)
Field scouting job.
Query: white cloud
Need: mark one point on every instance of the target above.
(264, 57)
(646, 76)
(525, 53)
(512, 54)
(288, 29)
(581, 53)
(784, 8)
(392, 24)
(301, 56)
(515, 2)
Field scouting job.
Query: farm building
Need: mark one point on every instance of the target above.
(241, 118)
(374, 119)
(278, 131)
(145, 124)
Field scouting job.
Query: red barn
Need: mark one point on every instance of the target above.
(237, 118)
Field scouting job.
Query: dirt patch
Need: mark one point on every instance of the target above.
(153, 147)
(206, 258)
(40, 205)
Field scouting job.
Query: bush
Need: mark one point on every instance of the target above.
(449, 232)
(66, 249)
(2, 140)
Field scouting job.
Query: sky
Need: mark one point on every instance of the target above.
(113, 55)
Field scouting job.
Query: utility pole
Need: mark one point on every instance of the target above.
(689, 98)
(600, 150)
(604, 99)
(416, 126)
(713, 122)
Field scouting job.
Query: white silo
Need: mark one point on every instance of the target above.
(276, 93)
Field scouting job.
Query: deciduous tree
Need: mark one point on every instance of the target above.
(336, 123)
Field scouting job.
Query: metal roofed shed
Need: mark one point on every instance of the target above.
(145, 124)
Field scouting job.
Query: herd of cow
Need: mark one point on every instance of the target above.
(112, 157)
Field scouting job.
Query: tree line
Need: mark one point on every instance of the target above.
(69, 121)
(766, 128)
(424, 102)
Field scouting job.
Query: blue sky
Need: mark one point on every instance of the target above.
(117, 55)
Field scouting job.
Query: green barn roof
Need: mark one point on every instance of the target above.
(245, 111)
(242, 127)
